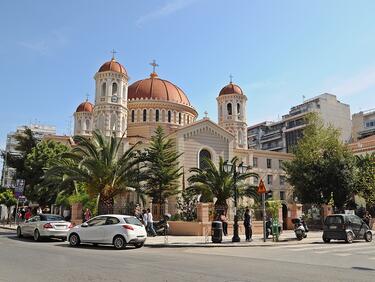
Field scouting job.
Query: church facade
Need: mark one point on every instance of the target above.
(134, 111)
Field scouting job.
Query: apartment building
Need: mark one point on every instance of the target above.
(282, 135)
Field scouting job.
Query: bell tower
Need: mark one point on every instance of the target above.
(111, 96)
(231, 104)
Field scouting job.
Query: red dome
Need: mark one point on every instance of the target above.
(85, 107)
(113, 65)
(156, 88)
(231, 88)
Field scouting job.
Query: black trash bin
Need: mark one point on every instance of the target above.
(217, 231)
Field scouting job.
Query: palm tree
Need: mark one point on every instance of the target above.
(99, 164)
(213, 182)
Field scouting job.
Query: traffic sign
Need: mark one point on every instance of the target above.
(261, 187)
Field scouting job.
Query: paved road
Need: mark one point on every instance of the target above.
(25, 260)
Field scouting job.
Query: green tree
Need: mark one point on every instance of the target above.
(99, 163)
(215, 182)
(26, 141)
(7, 199)
(365, 178)
(161, 171)
(323, 166)
(37, 162)
(187, 205)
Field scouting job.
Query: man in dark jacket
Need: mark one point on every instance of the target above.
(247, 224)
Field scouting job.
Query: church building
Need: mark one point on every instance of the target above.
(136, 110)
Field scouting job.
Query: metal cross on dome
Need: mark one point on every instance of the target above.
(113, 53)
(231, 78)
(154, 65)
(206, 113)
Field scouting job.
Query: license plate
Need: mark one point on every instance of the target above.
(60, 227)
(333, 227)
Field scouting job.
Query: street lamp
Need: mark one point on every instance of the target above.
(240, 169)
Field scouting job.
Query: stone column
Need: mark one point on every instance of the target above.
(203, 212)
(76, 213)
(294, 211)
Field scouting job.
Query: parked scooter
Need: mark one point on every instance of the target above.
(162, 226)
(300, 228)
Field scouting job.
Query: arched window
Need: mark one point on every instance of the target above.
(101, 123)
(113, 122)
(238, 108)
(157, 115)
(240, 137)
(87, 124)
(104, 88)
(79, 124)
(123, 92)
(203, 154)
(114, 88)
(229, 108)
(144, 115)
(169, 116)
(133, 115)
(179, 118)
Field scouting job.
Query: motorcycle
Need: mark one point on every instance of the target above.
(162, 226)
(300, 228)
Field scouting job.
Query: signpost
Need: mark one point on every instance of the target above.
(262, 190)
(18, 191)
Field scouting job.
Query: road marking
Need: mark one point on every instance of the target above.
(373, 258)
(322, 249)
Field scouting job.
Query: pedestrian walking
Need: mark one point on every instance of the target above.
(150, 223)
(144, 218)
(247, 223)
(87, 214)
(28, 214)
(224, 221)
(367, 218)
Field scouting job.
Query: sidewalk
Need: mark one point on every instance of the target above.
(7, 226)
(287, 238)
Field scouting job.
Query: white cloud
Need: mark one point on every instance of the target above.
(43, 46)
(169, 8)
(355, 84)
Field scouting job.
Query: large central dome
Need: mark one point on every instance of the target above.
(155, 88)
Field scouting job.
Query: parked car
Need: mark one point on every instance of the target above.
(44, 225)
(345, 227)
(110, 229)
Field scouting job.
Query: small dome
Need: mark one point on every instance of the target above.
(231, 88)
(85, 107)
(113, 65)
(156, 88)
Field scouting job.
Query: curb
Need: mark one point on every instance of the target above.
(7, 227)
(223, 245)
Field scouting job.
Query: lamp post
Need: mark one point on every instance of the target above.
(240, 169)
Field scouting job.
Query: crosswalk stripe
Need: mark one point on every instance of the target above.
(373, 258)
(324, 248)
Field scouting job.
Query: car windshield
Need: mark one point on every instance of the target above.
(132, 220)
(333, 220)
(50, 217)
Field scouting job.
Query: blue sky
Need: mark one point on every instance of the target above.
(277, 51)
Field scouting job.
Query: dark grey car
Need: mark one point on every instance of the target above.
(345, 227)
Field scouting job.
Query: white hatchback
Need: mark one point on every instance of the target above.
(109, 229)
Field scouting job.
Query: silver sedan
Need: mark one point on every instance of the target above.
(43, 226)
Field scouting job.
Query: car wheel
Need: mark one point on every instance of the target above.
(74, 240)
(349, 237)
(299, 237)
(368, 236)
(19, 232)
(36, 235)
(326, 240)
(119, 242)
(139, 245)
